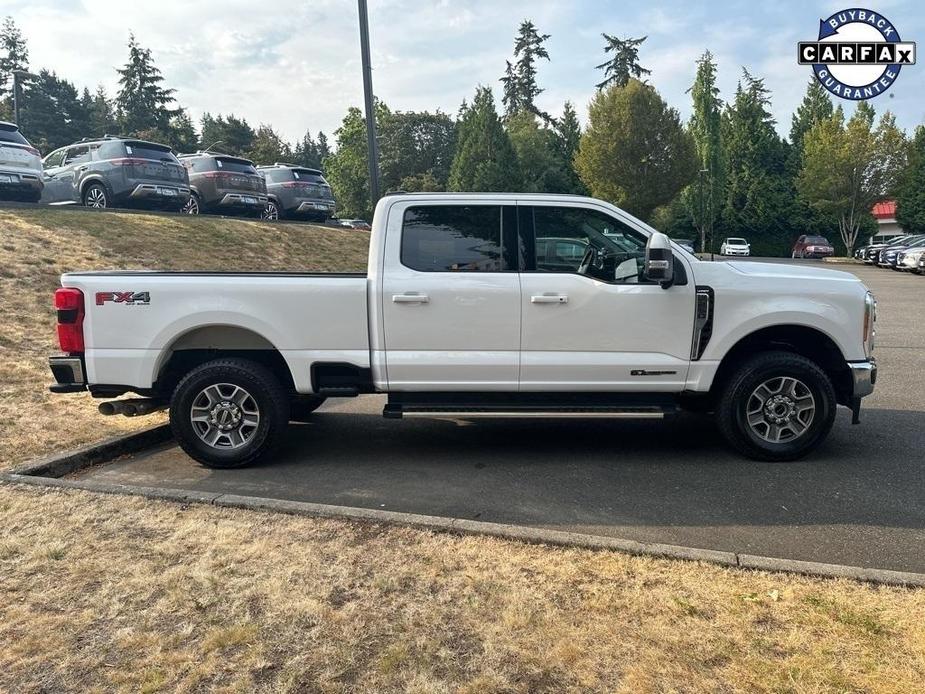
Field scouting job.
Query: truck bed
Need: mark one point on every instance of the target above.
(141, 316)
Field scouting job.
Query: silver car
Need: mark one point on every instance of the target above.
(20, 166)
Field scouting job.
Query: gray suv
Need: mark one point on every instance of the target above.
(224, 184)
(116, 171)
(20, 166)
(297, 191)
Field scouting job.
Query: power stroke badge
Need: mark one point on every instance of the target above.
(858, 54)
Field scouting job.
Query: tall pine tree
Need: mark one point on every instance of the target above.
(14, 55)
(520, 87)
(624, 64)
(910, 212)
(143, 103)
(485, 160)
(706, 128)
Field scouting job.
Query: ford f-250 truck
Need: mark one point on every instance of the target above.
(479, 305)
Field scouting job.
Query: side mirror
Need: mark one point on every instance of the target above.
(659, 265)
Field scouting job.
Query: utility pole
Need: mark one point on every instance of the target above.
(18, 76)
(371, 139)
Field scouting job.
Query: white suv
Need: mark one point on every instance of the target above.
(735, 247)
(20, 166)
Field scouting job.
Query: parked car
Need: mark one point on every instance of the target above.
(354, 224)
(887, 256)
(20, 166)
(456, 318)
(872, 253)
(735, 247)
(920, 269)
(115, 171)
(812, 247)
(224, 184)
(910, 247)
(908, 259)
(296, 191)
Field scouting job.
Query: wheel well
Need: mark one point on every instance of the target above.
(808, 342)
(212, 342)
(87, 182)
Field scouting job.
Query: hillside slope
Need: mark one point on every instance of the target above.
(37, 245)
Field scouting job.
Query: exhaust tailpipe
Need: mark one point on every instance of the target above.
(131, 407)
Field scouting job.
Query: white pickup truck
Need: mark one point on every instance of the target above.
(478, 305)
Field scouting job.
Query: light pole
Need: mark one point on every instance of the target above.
(371, 139)
(17, 75)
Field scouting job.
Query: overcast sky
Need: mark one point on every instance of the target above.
(295, 63)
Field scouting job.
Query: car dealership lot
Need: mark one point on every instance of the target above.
(859, 499)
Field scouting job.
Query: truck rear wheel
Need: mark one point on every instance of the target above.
(777, 406)
(229, 413)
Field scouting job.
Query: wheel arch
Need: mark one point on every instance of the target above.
(93, 178)
(205, 343)
(812, 343)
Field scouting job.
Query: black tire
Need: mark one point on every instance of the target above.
(96, 195)
(740, 390)
(267, 395)
(300, 410)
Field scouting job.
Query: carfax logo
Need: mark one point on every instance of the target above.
(858, 54)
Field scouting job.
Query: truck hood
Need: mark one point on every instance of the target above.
(788, 271)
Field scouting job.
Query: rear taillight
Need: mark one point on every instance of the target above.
(69, 303)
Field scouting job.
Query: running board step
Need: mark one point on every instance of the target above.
(339, 391)
(399, 411)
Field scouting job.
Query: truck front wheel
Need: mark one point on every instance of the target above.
(777, 406)
(229, 413)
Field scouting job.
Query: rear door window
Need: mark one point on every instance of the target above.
(77, 155)
(453, 238)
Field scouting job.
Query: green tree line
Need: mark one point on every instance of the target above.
(724, 172)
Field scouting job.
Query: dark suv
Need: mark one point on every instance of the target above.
(116, 171)
(20, 166)
(297, 191)
(224, 184)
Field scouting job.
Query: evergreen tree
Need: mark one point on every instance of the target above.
(228, 134)
(268, 147)
(706, 128)
(346, 170)
(634, 151)
(52, 112)
(910, 212)
(485, 159)
(815, 107)
(14, 55)
(306, 152)
(182, 135)
(542, 169)
(142, 102)
(624, 64)
(102, 113)
(758, 201)
(324, 149)
(520, 88)
(566, 142)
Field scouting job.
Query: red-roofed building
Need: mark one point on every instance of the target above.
(887, 226)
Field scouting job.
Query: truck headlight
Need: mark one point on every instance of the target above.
(870, 318)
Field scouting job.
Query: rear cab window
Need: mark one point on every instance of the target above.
(456, 238)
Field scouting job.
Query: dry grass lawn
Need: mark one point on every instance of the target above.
(37, 245)
(105, 593)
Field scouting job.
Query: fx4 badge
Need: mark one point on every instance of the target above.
(128, 298)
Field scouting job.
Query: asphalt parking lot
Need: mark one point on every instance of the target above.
(859, 499)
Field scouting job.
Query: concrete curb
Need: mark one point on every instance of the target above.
(65, 463)
(42, 473)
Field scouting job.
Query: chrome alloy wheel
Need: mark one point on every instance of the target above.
(96, 197)
(270, 212)
(192, 205)
(780, 410)
(224, 415)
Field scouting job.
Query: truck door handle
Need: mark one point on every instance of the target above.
(410, 298)
(549, 299)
